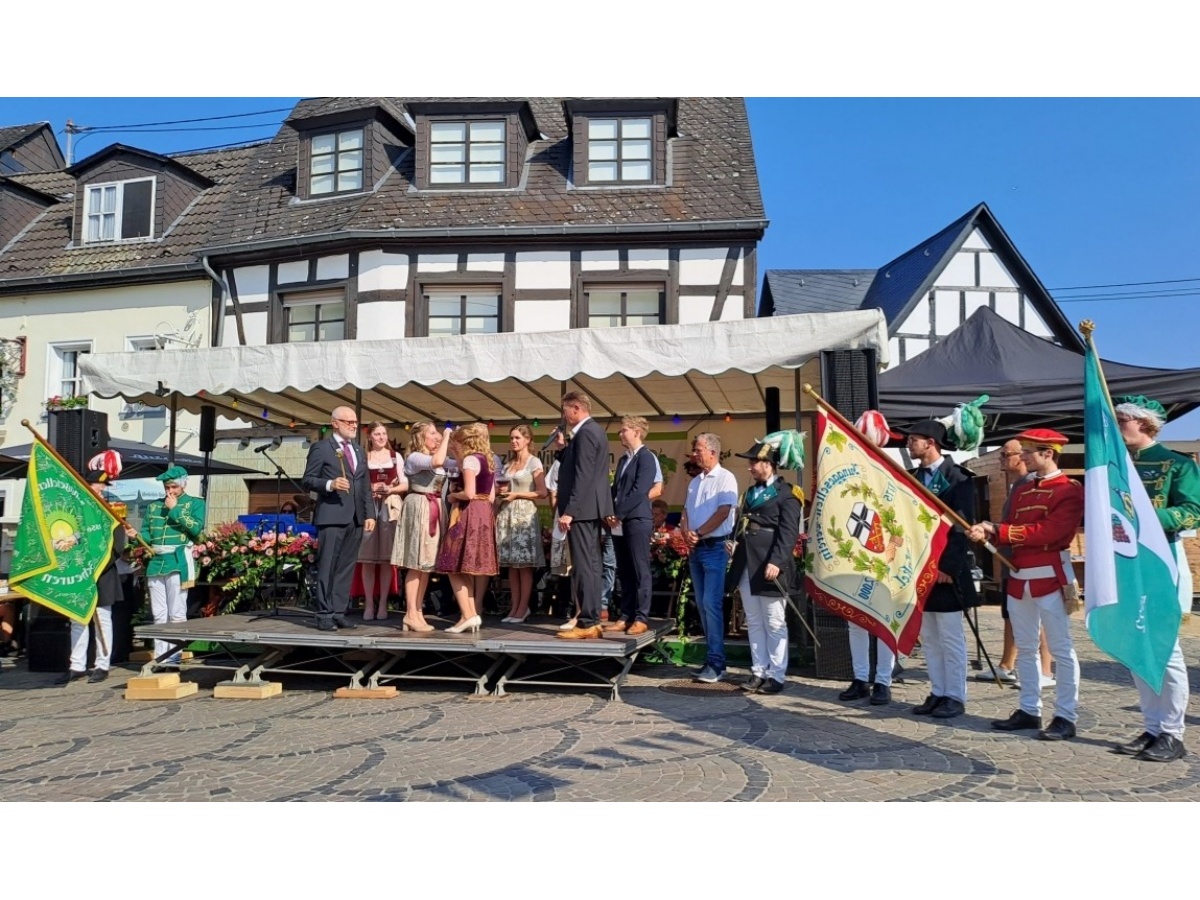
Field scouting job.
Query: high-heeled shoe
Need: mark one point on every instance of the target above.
(406, 625)
(471, 624)
(568, 625)
(368, 613)
(381, 614)
(517, 620)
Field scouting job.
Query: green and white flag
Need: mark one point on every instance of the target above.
(64, 540)
(1130, 598)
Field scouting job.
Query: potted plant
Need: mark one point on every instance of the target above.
(239, 562)
(59, 402)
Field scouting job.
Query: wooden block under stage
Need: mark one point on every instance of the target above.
(166, 686)
(387, 692)
(228, 690)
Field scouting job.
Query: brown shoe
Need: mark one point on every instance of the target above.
(581, 634)
(619, 625)
(637, 628)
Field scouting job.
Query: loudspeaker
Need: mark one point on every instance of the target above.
(78, 435)
(772, 397)
(849, 381)
(47, 640)
(208, 429)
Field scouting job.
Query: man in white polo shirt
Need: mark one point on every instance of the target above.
(707, 523)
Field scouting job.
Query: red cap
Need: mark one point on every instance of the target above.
(1043, 437)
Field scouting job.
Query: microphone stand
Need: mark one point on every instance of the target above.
(276, 610)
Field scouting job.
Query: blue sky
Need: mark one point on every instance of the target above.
(1093, 191)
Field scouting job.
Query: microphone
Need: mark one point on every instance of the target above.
(263, 448)
(553, 437)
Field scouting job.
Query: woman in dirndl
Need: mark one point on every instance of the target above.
(421, 522)
(518, 529)
(468, 553)
(375, 552)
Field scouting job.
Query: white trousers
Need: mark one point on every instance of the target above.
(766, 626)
(168, 603)
(860, 656)
(1029, 616)
(1164, 712)
(945, 649)
(80, 635)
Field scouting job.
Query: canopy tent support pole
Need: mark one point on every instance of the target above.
(171, 437)
(358, 410)
(798, 395)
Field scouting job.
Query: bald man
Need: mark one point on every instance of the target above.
(336, 472)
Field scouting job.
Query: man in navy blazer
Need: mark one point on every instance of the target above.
(336, 472)
(631, 511)
(584, 501)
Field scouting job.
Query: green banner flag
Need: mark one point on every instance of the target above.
(1131, 603)
(64, 540)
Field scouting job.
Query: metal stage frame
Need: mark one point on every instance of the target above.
(374, 655)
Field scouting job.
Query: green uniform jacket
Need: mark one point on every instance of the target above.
(1173, 482)
(178, 528)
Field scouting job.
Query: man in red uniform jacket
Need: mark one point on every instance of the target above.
(1043, 519)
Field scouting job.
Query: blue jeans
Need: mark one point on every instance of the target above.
(707, 566)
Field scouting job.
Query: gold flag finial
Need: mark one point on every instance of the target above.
(1086, 327)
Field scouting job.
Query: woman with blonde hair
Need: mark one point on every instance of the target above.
(421, 524)
(468, 553)
(375, 552)
(518, 530)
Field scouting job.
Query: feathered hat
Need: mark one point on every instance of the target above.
(783, 448)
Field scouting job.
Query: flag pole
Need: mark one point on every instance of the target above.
(929, 495)
(70, 468)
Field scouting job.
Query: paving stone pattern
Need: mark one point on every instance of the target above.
(84, 742)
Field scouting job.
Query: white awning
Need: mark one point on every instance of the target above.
(709, 368)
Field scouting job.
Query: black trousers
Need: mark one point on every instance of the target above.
(633, 568)
(337, 552)
(587, 569)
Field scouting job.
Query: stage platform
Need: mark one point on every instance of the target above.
(373, 654)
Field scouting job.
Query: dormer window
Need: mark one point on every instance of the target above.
(620, 150)
(119, 211)
(466, 152)
(336, 165)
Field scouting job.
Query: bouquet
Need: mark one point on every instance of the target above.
(244, 561)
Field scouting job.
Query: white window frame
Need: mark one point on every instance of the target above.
(325, 297)
(54, 365)
(118, 213)
(336, 134)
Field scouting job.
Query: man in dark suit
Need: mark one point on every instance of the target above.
(632, 513)
(336, 472)
(584, 501)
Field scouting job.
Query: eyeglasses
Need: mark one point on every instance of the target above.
(347, 421)
(1011, 453)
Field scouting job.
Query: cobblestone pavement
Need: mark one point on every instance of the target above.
(666, 741)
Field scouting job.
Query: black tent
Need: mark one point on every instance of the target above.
(138, 461)
(1032, 382)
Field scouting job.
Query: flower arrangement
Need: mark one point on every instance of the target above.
(244, 561)
(60, 402)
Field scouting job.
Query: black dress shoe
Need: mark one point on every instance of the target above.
(69, 676)
(772, 687)
(857, 690)
(1137, 745)
(881, 695)
(1059, 729)
(949, 708)
(324, 625)
(1018, 721)
(932, 702)
(1166, 748)
(343, 622)
(753, 684)
(97, 676)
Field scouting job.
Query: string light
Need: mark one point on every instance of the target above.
(491, 424)
(235, 402)
(676, 420)
(292, 423)
(264, 412)
(408, 426)
(537, 423)
(728, 417)
(324, 430)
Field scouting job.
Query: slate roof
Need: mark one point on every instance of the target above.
(11, 134)
(899, 285)
(44, 250)
(714, 179)
(789, 291)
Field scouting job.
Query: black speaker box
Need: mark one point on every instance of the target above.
(208, 429)
(771, 395)
(47, 640)
(849, 381)
(78, 435)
